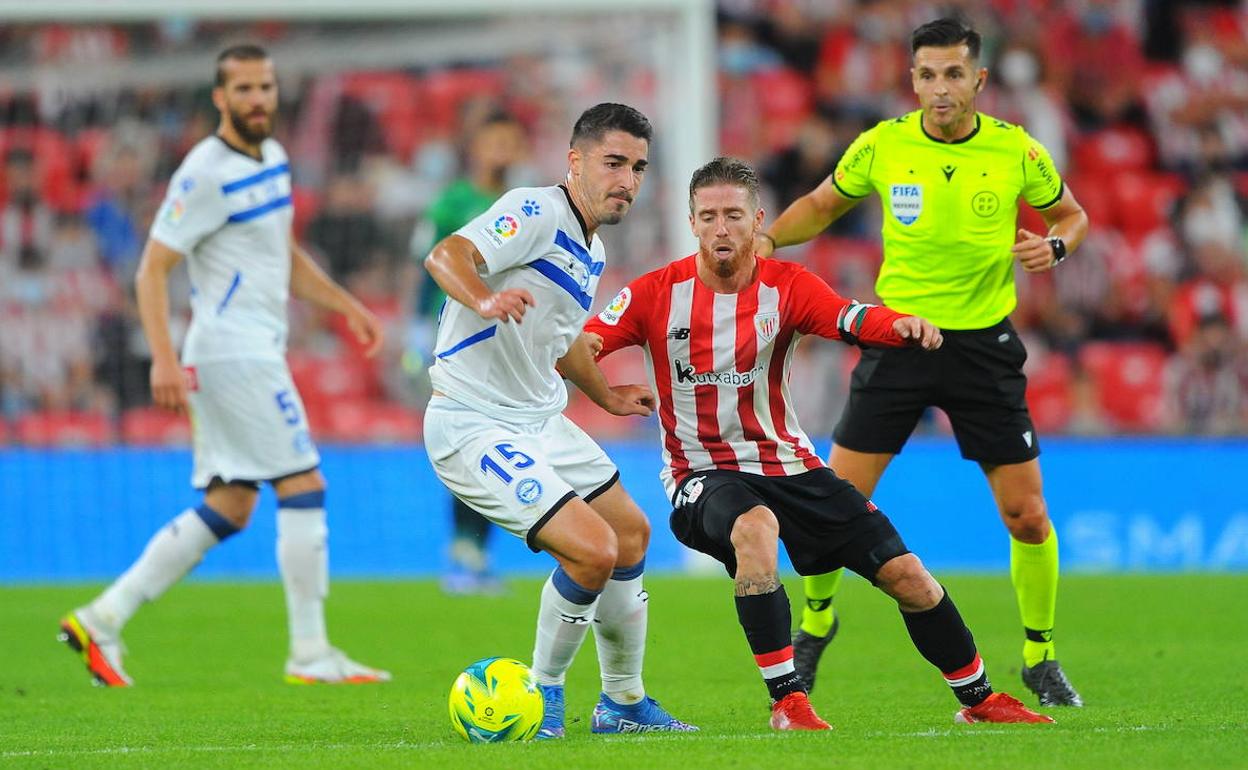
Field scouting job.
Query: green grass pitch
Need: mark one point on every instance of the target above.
(1159, 659)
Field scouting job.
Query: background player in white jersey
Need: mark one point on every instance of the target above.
(228, 211)
(520, 279)
(719, 329)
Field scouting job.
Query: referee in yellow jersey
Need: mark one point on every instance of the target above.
(949, 180)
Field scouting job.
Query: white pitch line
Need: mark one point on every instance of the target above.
(651, 738)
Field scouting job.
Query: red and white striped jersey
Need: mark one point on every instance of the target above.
(719, 363)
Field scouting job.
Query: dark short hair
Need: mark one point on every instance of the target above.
(244, 52)
(943, 33)
(725, 170)
(595, 122)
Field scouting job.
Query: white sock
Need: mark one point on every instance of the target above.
(561, 626)
(620, 634)
(303, 559)
(171, 553)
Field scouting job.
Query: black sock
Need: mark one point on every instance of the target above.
(944, 640)
(766, 619)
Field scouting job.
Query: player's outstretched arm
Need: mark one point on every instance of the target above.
(152, 291)
(308, 281)
(453, 264)
(579, 366)
(1066, 220)
(805, 218)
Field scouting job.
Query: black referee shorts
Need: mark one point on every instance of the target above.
(976, 377)
(825, 523)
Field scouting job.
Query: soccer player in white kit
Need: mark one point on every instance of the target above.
(520, 280)
(228, 212)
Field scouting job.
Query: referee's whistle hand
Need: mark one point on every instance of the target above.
(918, 331)
(1032, 251)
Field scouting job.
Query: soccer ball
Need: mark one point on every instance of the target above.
(496, 700)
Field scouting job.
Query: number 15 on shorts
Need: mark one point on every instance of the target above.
(503, 458)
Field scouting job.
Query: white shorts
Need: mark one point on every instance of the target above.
(517, 475)
(247, 423)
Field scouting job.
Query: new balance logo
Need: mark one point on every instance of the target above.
(678, 333)
(1027, 437)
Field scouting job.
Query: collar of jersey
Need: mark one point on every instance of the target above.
(242, 152)
(964, 139)
(580, 220)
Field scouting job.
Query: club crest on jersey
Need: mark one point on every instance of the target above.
(529, 491)
(767, 324)
(906, 201)
(612, 313)
(503, 229)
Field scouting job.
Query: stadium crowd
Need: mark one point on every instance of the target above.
(1143, 104)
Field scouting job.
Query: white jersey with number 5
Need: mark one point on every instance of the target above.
(230, 216)
(532, 238)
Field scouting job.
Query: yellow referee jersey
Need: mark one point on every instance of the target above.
(949, 213)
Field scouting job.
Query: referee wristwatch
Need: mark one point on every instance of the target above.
(1059, 250)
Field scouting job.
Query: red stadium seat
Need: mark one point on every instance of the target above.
(153, 426)
(786, 98)
(63, 429)
(396, 100)
(326, 378)
(371, 422)
(1143, 199)
(445, 93)
(1050, 395)
(1128, 381)
(1112, 150)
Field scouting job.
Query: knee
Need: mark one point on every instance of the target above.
(599, 561)
(632, 540)
(906, 579)
(1027, 518)
(755, 533)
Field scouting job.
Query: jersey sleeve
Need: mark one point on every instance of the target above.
(510, 232)
(1042, 185)
(816, 309)
(852, 176)
(623, 322)
(194, 208)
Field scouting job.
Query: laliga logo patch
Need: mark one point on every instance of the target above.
(503, 229)
(506, 226)
(612, 313)
(174, 211)
(906, 201)
(767, 324)
(529, 491)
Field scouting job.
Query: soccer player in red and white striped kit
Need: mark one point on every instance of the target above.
(719, 329)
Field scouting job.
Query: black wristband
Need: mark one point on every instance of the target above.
(1059, 250)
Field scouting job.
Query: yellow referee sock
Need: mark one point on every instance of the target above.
(1033, 570)
(818, 613)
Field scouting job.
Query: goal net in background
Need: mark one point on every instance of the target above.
(100, 101)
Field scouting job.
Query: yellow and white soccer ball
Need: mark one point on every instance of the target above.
(496, 700)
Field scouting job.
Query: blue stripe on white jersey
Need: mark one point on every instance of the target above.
(563, 281)
(246, 215)
(256, 178)
(565, 242)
